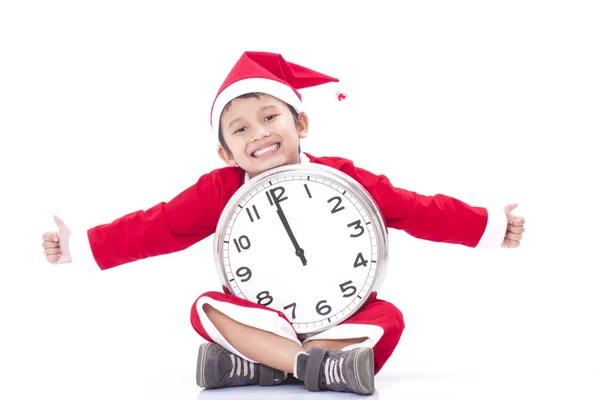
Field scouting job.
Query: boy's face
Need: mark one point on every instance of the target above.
(261, 134)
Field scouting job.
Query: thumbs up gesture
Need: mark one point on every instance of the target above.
(514, 229)
(56, 244)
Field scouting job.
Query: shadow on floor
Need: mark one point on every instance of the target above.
(292, 389)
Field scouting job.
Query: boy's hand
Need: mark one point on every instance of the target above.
(514, 229)
(56, 244)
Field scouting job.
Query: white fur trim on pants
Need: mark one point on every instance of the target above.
(258, 318)
(373, 333)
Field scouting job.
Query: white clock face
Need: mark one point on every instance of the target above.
(304, 245)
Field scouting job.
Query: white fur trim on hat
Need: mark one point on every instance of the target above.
(274, 88)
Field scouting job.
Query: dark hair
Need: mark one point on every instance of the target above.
(255, 95)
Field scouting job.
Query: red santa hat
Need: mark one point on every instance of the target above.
(266, 73)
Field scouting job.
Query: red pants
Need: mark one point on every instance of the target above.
(379, 321)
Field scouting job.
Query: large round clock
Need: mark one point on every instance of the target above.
(304, 239)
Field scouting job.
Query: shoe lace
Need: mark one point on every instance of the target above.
(238, 363)
(333, 371)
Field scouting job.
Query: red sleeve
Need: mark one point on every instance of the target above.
(166, 227)
(438, 218)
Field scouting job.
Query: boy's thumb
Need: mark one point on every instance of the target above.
(59, 223)
(510, 207)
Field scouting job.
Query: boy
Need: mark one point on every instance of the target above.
(258, 119)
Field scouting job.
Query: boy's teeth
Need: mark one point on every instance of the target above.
(266, 150)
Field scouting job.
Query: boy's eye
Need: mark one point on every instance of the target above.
(270, 117)
(239, 130)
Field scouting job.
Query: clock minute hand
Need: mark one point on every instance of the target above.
(288, 229)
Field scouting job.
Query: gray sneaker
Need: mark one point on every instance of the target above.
(337, 370)
(218, 368)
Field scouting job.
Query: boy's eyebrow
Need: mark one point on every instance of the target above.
(260, 109)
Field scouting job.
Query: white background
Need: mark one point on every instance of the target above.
(104, 110)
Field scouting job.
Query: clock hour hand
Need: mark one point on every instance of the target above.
(286, 225)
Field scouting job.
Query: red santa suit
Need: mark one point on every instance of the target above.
(193, 215)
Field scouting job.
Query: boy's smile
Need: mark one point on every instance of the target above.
(266, 150)
(261, 133)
